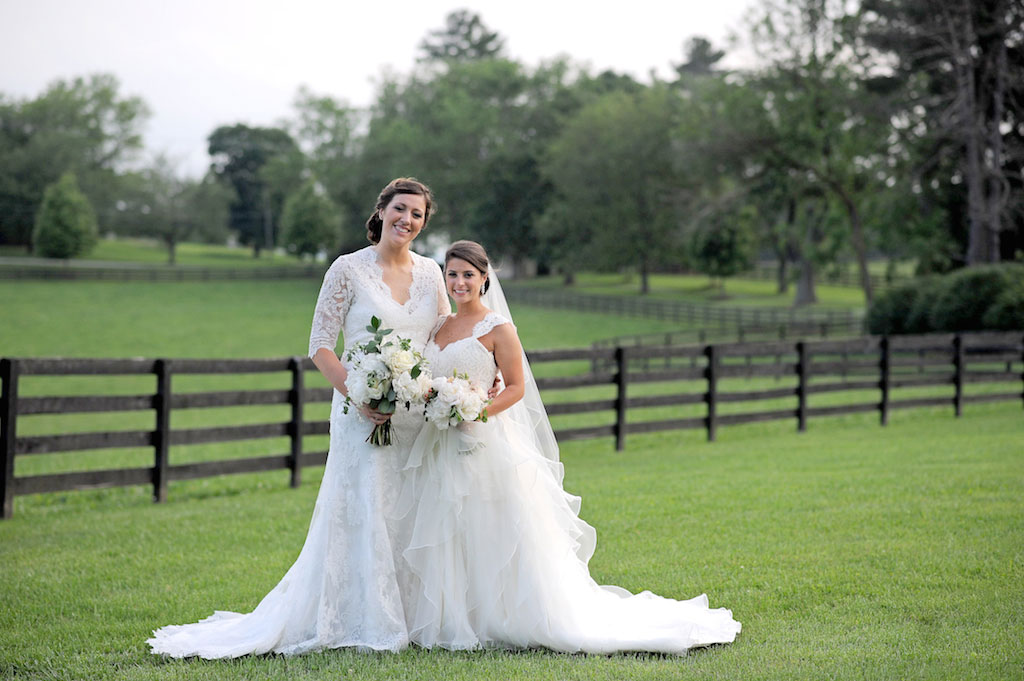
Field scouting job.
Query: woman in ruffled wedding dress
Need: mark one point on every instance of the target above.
(344, 589)
(497, 555)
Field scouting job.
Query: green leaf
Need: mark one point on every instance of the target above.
(415, 371)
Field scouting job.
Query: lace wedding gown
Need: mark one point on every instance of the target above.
(498, 554)
(344, 588)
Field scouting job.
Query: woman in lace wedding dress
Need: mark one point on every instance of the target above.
(344, 588)
(497, 553)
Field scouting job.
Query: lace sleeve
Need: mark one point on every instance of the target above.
(331, 307)
(444, 307)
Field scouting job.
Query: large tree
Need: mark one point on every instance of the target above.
(464, 37)
(260, 165)
(961, 65)
(84, 125)
(612, 166)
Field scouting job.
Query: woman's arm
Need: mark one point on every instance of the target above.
(508, 355)
(332, 369)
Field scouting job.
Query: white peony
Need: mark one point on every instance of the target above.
(470, 406)
(438, 413)
(408, 389)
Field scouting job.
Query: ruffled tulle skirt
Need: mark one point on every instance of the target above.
(497, 557)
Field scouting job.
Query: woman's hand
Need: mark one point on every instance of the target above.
(372, 415)
(495, 387)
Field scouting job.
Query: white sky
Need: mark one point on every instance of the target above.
(204, 63)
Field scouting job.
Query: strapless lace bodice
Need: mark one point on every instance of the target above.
(466, 355)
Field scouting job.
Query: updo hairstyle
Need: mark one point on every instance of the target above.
(399, 185)
(474, 254)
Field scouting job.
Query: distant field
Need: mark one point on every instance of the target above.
(698, 289)
(155, 253)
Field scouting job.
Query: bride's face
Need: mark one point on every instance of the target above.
(464, 281)
(403, 219)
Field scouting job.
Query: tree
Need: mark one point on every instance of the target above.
(961, 65)
(726, 245)
(240, 154)
(311, 222)
(66, 222)
(612, 166)
(464, 37)
(84, 126)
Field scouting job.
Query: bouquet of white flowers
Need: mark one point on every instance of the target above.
(454, 399)
(385, 373)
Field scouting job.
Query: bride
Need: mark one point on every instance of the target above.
(344, 588)
(497, 554)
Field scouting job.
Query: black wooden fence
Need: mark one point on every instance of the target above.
(76, 270)
(879, 366)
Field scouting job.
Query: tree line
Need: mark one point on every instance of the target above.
(885, 128)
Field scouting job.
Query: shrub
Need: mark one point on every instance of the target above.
(890, 312)
(966, 296)
(1007, 311)
(66, 223)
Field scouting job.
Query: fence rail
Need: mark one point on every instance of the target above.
(882, 366)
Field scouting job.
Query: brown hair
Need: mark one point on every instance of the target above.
(474, 254)
(399, 185)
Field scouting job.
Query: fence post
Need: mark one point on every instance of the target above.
(884, 380)
(958, 374)
(8, 432)
(162, 434)
(803, 372)
(711, 396)
(622, 364)
(295, 428)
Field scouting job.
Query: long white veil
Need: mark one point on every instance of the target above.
(527, 414)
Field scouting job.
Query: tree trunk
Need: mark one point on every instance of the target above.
(645, 287)
(805, 294)
(172, 250)
(859, 247)
(569, 278)
(782, 274)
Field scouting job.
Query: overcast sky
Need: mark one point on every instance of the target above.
(204, 63)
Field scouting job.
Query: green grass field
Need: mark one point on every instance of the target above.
(851, 551)
(153, 252)
(848, 552)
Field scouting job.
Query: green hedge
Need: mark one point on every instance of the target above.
(989, 297)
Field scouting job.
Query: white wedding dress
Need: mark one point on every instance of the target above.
(498, 554)
(344, 588)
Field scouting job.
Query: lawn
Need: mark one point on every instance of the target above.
(851, 551)
(698, 289)
(153, 252)
(848, 552)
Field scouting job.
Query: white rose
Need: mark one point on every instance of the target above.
(402, 361)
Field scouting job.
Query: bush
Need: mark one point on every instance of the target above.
(975, 299)
(66, 223)
(1007, 311)
(966, 297)
(891, 311)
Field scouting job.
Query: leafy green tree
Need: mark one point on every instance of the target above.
(83, 125)
(242, 158)
(960, 70)
(725, 245)
(311, 221)
(612, 165)
(66, 222)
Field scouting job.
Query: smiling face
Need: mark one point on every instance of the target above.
(464, 281)
(403, 218)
